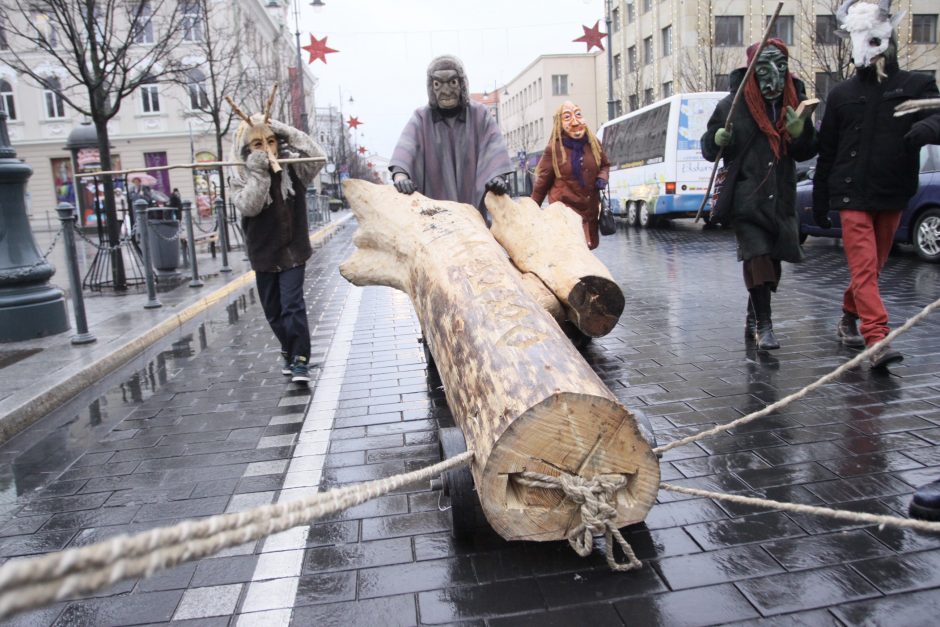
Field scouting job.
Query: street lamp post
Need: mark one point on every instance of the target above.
(301, 96)
(610, 65)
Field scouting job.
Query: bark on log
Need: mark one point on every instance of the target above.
(550, 244)
(523, 397)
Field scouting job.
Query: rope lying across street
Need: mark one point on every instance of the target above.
(33, 582)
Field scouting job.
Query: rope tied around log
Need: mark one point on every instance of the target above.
(595, 497)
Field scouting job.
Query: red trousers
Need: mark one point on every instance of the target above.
(867, 237)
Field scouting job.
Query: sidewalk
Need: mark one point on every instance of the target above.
(41, 375)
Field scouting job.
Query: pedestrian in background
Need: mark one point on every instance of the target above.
(176, 202)
(767, 138)
(573, 169)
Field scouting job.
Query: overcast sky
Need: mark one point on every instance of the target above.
(385, 47)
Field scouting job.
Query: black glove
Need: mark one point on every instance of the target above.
(497, 185)
(918, 136)
(821, 218)
(405, 185)
(600, 184)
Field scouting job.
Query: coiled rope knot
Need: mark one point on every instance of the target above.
(595, 497)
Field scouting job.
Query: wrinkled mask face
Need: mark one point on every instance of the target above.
(446, 87)
(771, 72)
(572, 121)
(261, 137)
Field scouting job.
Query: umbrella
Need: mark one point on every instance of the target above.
(145, 179)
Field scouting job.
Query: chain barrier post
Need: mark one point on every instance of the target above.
(67, 216)
(191, 243)
(222, 221)
(140, 210)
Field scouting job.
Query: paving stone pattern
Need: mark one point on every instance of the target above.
(212, 426)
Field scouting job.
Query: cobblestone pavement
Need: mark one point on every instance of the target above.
(211, 426)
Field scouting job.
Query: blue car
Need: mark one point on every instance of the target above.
(920, 222)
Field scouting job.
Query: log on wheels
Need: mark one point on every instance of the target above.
(523, 397)
(549, 243)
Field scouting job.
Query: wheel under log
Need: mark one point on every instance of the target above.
(465, 510)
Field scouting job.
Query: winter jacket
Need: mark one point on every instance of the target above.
(764, 214)
(864, 162)
(584, 199)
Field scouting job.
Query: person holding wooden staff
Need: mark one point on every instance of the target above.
(272, 200)
(766, 138)
(573, 169)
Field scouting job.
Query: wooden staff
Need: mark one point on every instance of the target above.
(734, 103)
(196, 166)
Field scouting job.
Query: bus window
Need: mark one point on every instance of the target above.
(638, 140)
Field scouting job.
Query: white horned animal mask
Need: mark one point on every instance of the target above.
(870, 27)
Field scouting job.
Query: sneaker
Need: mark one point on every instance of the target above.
(848, 332)
(884, 356)
(300, 373)
(285, 364)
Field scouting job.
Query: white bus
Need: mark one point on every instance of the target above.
(656, 167)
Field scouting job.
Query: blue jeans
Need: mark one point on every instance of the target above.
(282, 298)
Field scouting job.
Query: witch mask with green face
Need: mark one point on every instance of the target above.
(771, 72)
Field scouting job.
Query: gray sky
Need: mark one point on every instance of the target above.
(385, 47)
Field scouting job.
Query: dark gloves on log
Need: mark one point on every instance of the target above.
(497, 185)
(821, 218)
(405, 185)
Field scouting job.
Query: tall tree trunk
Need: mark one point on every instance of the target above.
(110, 209)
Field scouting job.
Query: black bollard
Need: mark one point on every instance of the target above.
(140, 210)
(222, 221)
(67, 217)
(191, 243)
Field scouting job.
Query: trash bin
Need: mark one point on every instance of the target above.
(164, 241)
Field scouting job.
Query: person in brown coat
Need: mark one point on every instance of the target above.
(573, 169)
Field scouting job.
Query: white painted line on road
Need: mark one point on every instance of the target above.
(270, 601)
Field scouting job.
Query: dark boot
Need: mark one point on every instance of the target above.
(847, 331)
(750, 323)
(926, 502)
(766, 340)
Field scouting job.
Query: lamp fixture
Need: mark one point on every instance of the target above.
(318, 4)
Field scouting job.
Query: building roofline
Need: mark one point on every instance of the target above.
(541, 57)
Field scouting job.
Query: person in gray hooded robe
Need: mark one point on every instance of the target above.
(451, 148)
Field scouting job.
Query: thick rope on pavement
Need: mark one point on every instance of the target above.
(33, 582)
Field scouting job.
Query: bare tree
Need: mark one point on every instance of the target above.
(91, 43)
(701, 66)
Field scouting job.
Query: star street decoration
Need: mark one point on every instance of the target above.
(318, 49)
(592, 36)
(362, 150)
(353, 122)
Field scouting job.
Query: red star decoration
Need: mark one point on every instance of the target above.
(318, 49)
(353, 122)
(592, 36)
(362, 150)
(369, 165)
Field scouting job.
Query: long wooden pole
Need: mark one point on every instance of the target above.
(194, 166)
(734, 103)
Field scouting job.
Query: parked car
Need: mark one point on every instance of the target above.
(920, 222)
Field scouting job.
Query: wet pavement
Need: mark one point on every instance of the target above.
(207, 424)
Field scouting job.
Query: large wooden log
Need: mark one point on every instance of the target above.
(550, 244)
(522, 395)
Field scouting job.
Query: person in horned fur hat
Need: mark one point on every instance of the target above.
(868, 164)
(272, 202)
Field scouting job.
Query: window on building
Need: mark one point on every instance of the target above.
(196, 87)
(722, 82)
(783, 28)
(631, 58)
(729, 30)
(540, 88)
(634, 102)
(44, 26)
(631, 13)
(192, 21)
(618, 66)
(52, 98)
(667, 89)
(667, 40)
(648, 96)
(143, 24)
(826, 26)
(559, 84)
(924, 29)
(150, 96)
(647, 6)
(6, 99)
(648, 50)
(615, 20)
(825, 81)
(618, 108)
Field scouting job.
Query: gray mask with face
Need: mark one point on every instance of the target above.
(447, 83)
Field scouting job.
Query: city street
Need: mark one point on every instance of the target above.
(210, 425)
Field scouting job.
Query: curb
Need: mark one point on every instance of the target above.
(46, 401)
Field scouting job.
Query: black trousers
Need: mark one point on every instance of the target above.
(282, 298)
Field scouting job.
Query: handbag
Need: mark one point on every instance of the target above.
(726, 176)
(605, 222)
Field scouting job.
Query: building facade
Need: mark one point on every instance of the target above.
(162, 122)
(661, 47)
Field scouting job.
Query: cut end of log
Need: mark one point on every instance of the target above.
(595, 304)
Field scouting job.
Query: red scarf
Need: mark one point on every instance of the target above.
(775, 131)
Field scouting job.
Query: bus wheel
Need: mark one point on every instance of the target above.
(644, 218)
(632, 217)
